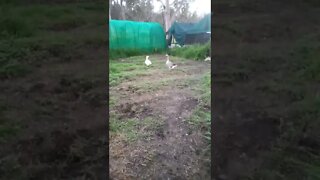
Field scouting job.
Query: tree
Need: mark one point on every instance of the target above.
(142, 10)
(137, 10)
(109, 9)
(117, 9)
(122, 9)
(175, 9)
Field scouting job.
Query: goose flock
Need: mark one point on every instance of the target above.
(169, 64)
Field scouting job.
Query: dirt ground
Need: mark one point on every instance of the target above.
(175, 149)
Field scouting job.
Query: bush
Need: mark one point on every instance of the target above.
(196, 52)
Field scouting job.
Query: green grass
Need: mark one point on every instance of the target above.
(112, 101)
(201, 116)
(195, 52)
(14, 69)
(290, 164)
(117, 54)
(310, 64)
(15, 26)
(119, 71)
(206, 89)
(40, 33)
(24, 21)
(295, 154)
(129, 69)
(202, 119)
(134, 128)
(35, 34)
(7, 128)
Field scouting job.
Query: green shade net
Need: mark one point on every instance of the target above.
(140, 36)
(191, 33)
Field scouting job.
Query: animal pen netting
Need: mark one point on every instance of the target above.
(140, 36)
(191, 33)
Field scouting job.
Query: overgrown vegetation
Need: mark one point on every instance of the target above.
(195, 52)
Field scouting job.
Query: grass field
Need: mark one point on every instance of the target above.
(53, 59)
(159, 118)
(266, 91)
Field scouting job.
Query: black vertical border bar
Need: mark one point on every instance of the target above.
(212, 90)
(107, 92)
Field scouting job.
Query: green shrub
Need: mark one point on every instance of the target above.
(196, 52)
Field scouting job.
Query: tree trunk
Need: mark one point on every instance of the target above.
(173, 18)
(110, 4)
(122, 13)
(167, 15)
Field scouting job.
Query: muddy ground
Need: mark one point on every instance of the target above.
(173, 148)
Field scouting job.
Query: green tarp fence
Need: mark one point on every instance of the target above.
(140, 36)
(191, 33)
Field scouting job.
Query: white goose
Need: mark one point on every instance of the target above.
(147, 61)
(169, 63)
(208, 59)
